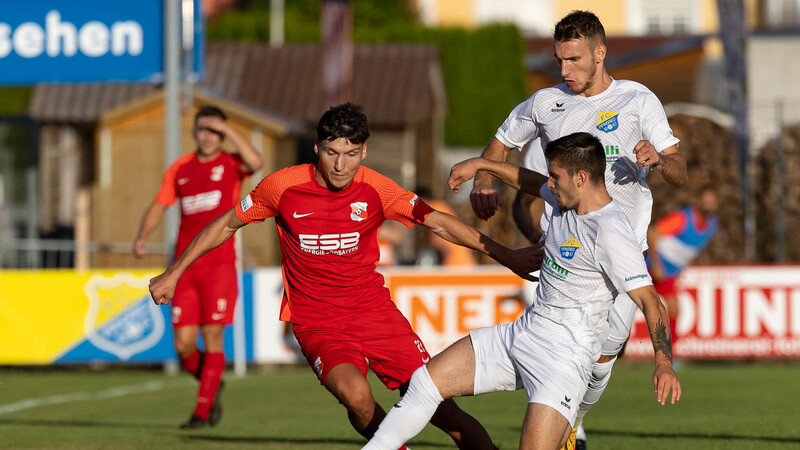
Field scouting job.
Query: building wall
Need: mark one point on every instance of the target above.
(772, 102)
(612, 13)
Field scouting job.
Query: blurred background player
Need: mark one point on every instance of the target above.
(632, 126)
(328, 216)
(675, 241)
(207, 183)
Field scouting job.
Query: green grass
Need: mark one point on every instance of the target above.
(725, 406)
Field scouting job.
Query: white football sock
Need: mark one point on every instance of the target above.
(407, 418)
(601, 374)
(580, 434)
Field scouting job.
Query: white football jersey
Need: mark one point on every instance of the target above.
(588, 259)
(621, 116)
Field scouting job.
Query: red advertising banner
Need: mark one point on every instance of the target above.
(732, 312)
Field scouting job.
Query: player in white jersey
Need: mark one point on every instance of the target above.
(632, 126)
(590, 252)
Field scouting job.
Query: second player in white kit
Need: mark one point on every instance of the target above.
(631, 124)
(590, 253)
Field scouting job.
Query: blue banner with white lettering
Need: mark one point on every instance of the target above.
(87, 40)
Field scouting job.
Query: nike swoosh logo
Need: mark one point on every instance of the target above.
(217, 316)
(297, 216)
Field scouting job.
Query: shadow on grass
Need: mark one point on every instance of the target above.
(290, 440)
(85, 423)
(721, 436)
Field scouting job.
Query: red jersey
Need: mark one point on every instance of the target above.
(329, 240)
(206, 190)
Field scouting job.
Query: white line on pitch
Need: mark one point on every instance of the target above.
(120, 391)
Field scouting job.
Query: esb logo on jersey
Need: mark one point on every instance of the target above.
(333, 243)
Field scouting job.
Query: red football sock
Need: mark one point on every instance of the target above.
(210, 376)
(193, 363)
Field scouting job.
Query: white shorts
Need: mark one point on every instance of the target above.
(620, 321)
(507, 359)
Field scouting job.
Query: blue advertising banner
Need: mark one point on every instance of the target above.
(86, 41)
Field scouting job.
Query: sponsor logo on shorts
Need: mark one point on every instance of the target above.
(569, 248)
(318, 366)
(552, 268)
(607, 121)
(426, 357)
(414, 200)
(323, 244)
(217, 316)
(246, 203)
(176, 314)
(565, 402)
(358, 211)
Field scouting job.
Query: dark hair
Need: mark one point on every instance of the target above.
(343, 121)
(209, 111)
(580, 24)
(579, 151)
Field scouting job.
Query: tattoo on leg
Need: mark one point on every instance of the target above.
(662, 342)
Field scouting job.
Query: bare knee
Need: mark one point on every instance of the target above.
(352, 389)
(358, 399)
(185, 339)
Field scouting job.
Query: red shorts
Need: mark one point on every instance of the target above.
(205, 295)
(381, 340)
(666, 287)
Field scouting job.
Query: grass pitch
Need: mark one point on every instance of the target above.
(724, 406)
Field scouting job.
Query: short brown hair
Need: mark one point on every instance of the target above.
(580, 25)
(579, 151)
(209, 111)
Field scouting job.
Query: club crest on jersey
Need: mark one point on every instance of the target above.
(569, 248)
(607, 121)
(216, 172)
(358, 211)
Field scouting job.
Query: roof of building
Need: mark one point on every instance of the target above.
(622, 50)
(396, 83)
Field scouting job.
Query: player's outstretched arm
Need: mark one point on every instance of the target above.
(522, 261)
(162, 287)
(664, 378)
(150, 220)
(485, 200)
(669, 163)
(250, 156)
(517, 177)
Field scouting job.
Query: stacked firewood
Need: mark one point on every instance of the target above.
(712, 160)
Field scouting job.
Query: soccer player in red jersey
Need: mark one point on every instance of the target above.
(207, 183)
(328, 216)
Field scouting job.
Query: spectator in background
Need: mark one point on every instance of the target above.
(208, 183)
(675, 241)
